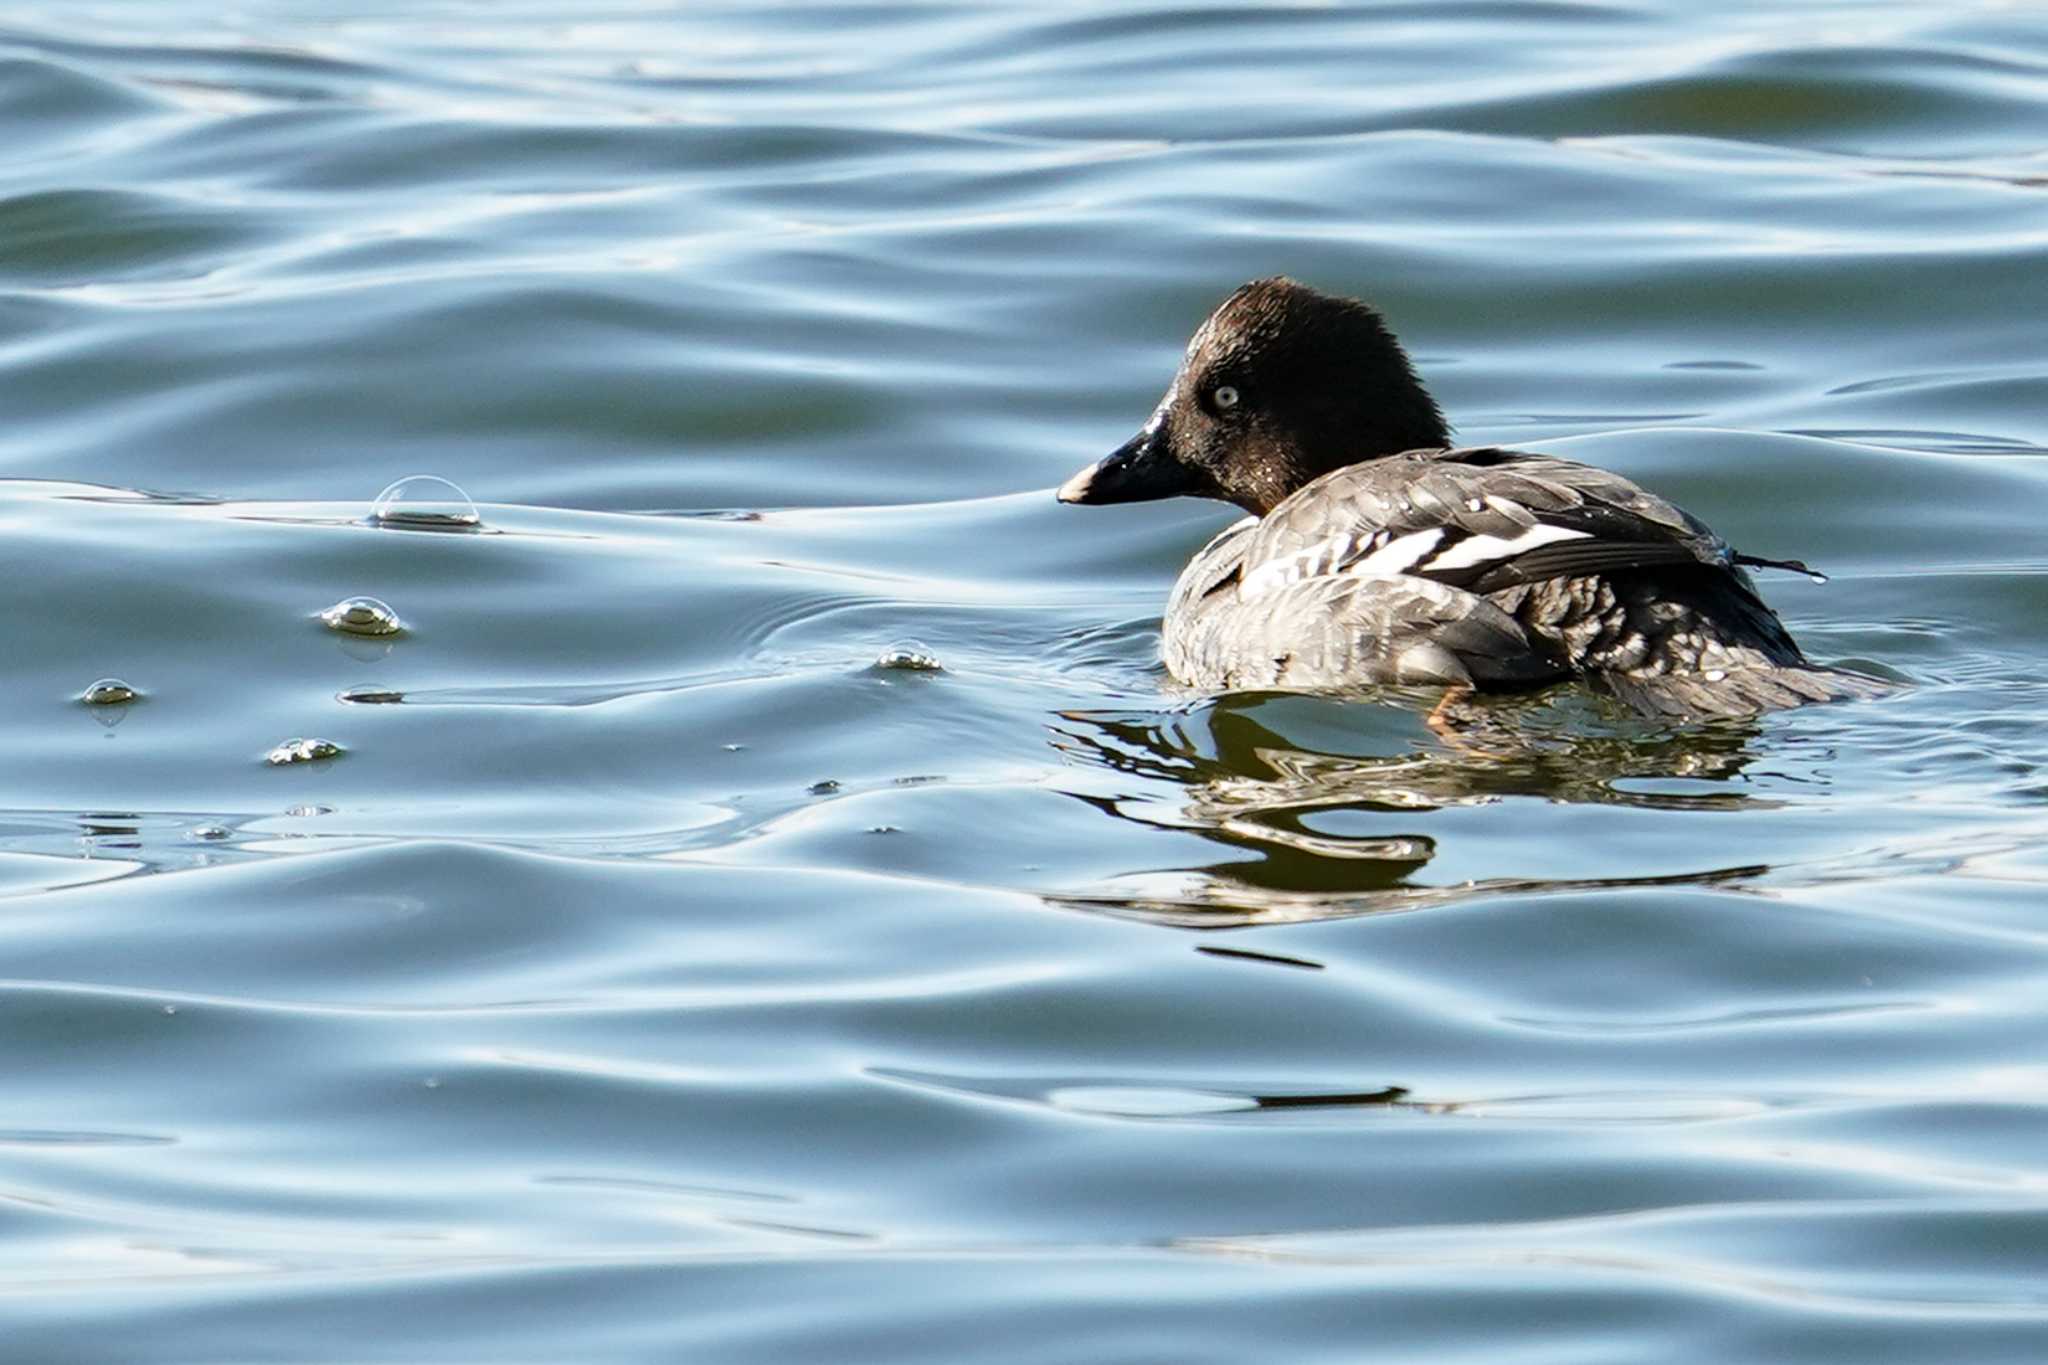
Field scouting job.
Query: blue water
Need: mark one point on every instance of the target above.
(662, 968)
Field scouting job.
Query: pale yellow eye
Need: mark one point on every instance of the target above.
(1225, 398)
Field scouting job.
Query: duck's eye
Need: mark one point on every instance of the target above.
(1225, 398)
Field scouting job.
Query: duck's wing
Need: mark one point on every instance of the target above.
(1482, 520)
(1493, 566)
(1235, 623)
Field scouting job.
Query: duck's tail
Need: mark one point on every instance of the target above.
(1740, 691)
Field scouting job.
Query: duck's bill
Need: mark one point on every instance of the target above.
(1136, 471)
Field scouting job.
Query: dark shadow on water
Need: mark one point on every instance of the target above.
(1325, 808)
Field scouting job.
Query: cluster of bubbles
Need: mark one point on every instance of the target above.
(420, 502)
(424, 502)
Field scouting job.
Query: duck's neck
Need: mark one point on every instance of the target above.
(1400, 417)
(1284, 469)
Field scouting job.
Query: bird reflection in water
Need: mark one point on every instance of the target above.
(1330, 808)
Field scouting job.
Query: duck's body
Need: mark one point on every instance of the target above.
(1485, 568)
(1417, 563)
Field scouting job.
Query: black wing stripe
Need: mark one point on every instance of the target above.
(1564, 559)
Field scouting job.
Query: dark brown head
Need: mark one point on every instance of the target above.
(1281, 385)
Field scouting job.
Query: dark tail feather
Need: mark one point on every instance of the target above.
(1740, 691)
(1791, 565)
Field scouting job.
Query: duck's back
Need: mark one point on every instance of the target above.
(1486, 568)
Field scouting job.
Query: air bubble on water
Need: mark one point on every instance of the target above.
(370, 694)
(909, 656)
(362, 616)
(210, 833)
(108, 692)
(303, 751)
(170, 1009)
(307, 812)
(425, 502)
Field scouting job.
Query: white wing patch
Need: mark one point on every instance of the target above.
(1321, 558)
(1398, 555)
(1477, 550)
(1375, 556)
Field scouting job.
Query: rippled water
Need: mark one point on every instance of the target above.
(649, 955)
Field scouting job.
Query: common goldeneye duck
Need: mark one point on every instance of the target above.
(1376, 553)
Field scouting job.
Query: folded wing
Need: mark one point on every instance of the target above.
(1482, 520)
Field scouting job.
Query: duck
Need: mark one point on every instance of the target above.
(1376, 552)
